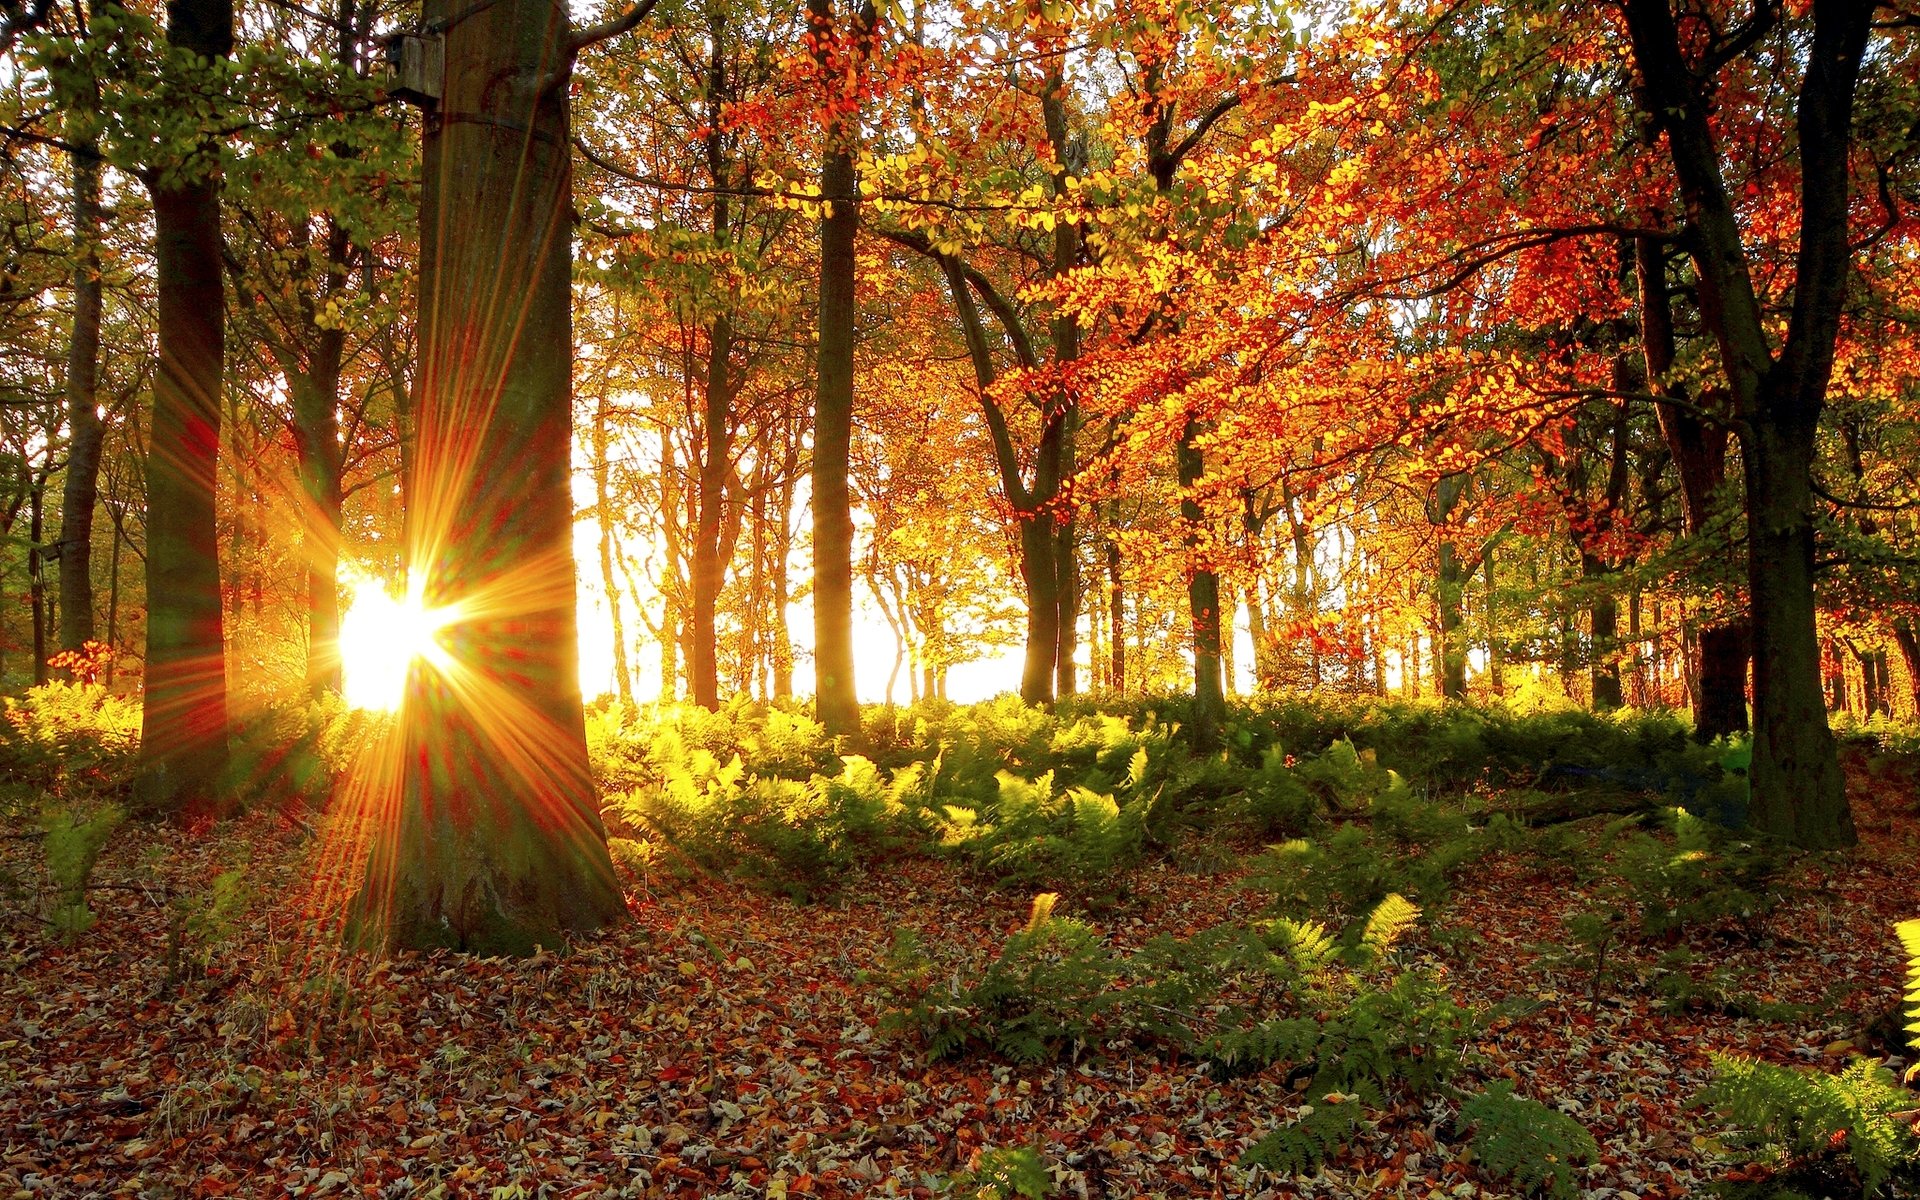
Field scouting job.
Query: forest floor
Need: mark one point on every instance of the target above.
(723, 1043)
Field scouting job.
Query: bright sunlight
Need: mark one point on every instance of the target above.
(380, 636)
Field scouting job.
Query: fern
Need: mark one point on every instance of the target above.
(1306, 944)
(1298, 1148)
(1388, 922)
(72, 848)
(1527, 1143)
(1800, 1116)
(1005, 1174)
(1909, 934)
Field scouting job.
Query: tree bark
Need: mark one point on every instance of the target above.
(603, 514)
(1117, 615)
(37, 571)
(1203, 599)
(835, 701)
(1905, 636)
(1718, 674)
(497, 845)
(1799, 793)
(85, 431)
(1450, 597)
(183, 713)
(709, 567)
(316, 435)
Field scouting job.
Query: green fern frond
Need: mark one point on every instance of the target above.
(1300, 1148)
(1387, 924)
(1527, 1143)
(1307, 944)
(1800, 1114)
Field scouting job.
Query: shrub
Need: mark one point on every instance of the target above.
(1046, 992)
(1079, 838)
(69, 739)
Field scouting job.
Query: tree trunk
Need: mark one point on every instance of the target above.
(1450, 596)
(316, 434)
(1603, 616)
(835, 701)
(85, 431)
(603, 517)
(1042, 577)
(1908, 640)
(1799, 792)
(496, 846)
(1203, 600)
(183, 712)
(1066, 567)
(709, 568)
(1257, 634)
(782, 549)
(37, 572)
(1496, 653)
(1718, 673)
(1117, 615)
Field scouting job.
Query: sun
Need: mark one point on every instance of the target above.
(380, 637)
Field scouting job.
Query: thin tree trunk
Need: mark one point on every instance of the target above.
(85, 432)
(1717, 670)
(783, 549)
(183, 714)
(113, 605)
(37, 572)
(709, 568)
(1450, 598)
(835, 700)
(609, 580)
(1203, 600)
(1117, 614)
(1496, 643)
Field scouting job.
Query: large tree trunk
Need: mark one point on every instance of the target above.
(85, 430)
(1203, 600)
(835, 701)
(1042, 577)
(497, 845)
(183, 714)
(1799, 792)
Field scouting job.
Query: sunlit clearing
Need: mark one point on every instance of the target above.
(379, 639)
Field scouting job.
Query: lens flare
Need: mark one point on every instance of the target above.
(380, 636)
